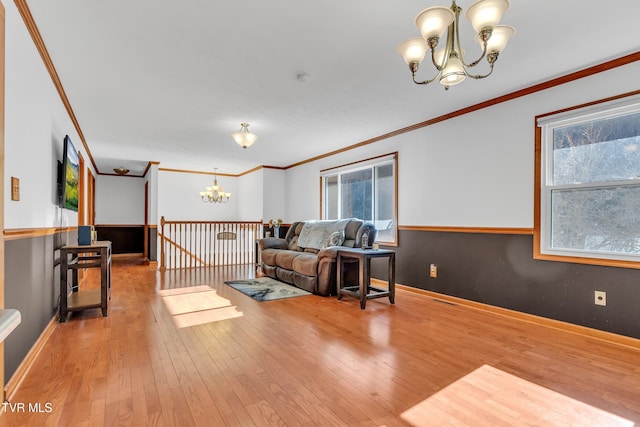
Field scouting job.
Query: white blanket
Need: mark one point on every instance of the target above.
(316, 234)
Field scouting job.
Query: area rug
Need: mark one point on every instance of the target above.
(266, 289)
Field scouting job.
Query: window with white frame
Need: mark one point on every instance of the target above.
(590, 182)
(364, 190)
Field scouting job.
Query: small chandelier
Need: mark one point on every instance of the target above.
(243, 137)
(451, 67)
(215, 194)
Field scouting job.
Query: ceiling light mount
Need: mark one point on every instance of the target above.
(121, 171)
(243, 137)
(303, 77)
(451, 68)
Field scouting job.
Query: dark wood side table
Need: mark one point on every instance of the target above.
(364, 290)
(75, 257)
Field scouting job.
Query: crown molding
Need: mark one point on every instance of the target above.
(27, 17)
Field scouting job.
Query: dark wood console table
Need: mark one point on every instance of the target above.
(364, 290)
(96, 255)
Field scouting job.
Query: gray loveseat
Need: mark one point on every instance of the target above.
(306, 257)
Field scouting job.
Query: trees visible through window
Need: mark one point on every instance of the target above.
(590, 182)
(365, 190)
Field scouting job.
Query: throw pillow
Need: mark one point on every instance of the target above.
(336, 238)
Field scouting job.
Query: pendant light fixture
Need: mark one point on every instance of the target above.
(243, 137)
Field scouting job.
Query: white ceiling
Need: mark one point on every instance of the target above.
(169, 80)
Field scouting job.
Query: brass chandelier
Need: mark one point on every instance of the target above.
(215, 194)
(451, 68)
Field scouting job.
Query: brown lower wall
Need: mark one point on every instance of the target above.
(32, 286)
(499, 270)
(125, 239)
(153, 243)
(129, 239)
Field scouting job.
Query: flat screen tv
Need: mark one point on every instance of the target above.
(70, 176)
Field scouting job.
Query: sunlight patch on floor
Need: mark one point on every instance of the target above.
(197, 305)
(489, 396)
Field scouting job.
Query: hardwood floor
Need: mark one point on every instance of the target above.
(313, 361)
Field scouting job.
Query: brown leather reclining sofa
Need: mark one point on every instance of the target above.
(310, 268)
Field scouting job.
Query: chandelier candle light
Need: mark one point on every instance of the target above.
(451, 67)
(243, 137)
(215, 194)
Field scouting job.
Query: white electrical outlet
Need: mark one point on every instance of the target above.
(600, 297)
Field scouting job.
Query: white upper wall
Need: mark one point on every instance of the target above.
(274, 196)
(119, 200)
(36, 122)
(254, 196)
(151, 180)
(250, 196)
(476, 170)
(179, 197)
